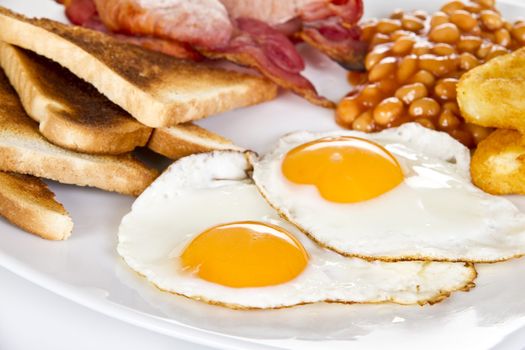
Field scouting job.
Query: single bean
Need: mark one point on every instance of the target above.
(388, 110)
(452, 7)
(424, 77)
(388, 26)
(407, 67)
(467, 61)
(348, 110)
(383, 69)
(491, 20)
(445, 33)
(445, 89)
(439, 18)
(364, 122)
(425, 107)
(412, 23)
(411, 92)
(448, 121)
(403, 45)
(464, 20)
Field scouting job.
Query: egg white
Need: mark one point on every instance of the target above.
(202, 191)
(435, 214)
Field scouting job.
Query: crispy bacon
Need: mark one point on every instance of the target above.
(341, 44)
(258, 45)
(328, 25)
(79, 11)
(331, 27)
(204, 23)
(348, 11)
(255, 33)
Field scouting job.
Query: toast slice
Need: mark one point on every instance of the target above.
(71, 113)
(498, 164)
(156, 89)
(23, 150)
(187, 139)
(28, 203)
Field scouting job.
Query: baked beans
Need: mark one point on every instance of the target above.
(403, 45)
(407, 68)
(423, 77)
(439, 18)
(388, 110)
(384, 68)
(364, 122)
(415, 61)
(410, 93)
(467, 61)
(464, 20)
(518, 32)
(448, 121)
(445, 33)
(388, 26)
(425, 107)
(412, 23)
(445, 89)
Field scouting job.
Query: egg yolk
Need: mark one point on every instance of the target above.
(245, 254)
(344, 169)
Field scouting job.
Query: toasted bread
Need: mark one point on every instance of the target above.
(28, 203)
(72, 114)
(23, 150)
(498, 164)
(156, 89)
(186, 139)
(493, 94)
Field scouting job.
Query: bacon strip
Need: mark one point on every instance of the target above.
(262, 47)
(341, 44)
(203, 23)
(79, 11)
(348, 11)
(331, 27)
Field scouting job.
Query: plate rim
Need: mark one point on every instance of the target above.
(129, 315)
(154, 324)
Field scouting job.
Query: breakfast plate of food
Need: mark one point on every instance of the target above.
(267, 175)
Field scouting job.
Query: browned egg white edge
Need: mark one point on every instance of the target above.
(437, 298)
(251, 159)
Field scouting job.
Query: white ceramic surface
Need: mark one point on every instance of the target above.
(87, 270)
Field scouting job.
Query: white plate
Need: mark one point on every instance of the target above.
(87, 270)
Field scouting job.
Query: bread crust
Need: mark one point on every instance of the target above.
(28, 203)
(72, 114)
(156, 89)
(187, 139)
(23, 150)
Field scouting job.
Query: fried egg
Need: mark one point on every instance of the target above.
(401, 194)
(202, 230)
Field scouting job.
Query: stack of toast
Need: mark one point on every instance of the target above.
(75, 104)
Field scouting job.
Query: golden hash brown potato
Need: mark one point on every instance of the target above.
(498, 164)
(493, 94)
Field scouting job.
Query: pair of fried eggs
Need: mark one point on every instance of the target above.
(336, 217)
